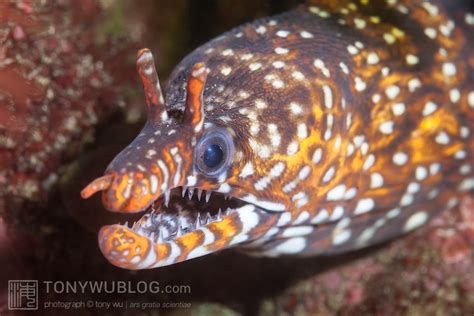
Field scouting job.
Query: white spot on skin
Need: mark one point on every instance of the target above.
(392, 91)
(317, 155)
(305, 34)
(281, 50)
(291, 246)
(277, 170)
(376, 180)
(153, 184)
(460, 154)
(341, 237)
(261, 29)
(292, 148)
(400, 158)
(373, 58)
(319, 64)
(284, 219)
(369, 162)
(278, 64)
(449, 69)
(411, 59)
(336, 193)
(465, 169)
(442, 138)
(278, 84)
(413, 187)
(352, 49)
(398, 109)
(246, 56)
(406, 200)
(389, 38)
(304, 172)
(364, 206)
(415, 221)
(344, 68)
(386, 127)
(434, 168)
(470, 99)
(429, 108)
(226, 71)
(414, 84)
(360, 84)
(282, 33)
(296, 108)
(337, 213)
(255, 66)
(302, 131)
(359, 23)
(329, 174)
(297, 75)
(421, 173)
(454, 95)
(247, 170)
(327, 96)
(466, 185)
(320, 217)
(297, 231)
(430, 32)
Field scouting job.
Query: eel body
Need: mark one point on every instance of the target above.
(328, 128)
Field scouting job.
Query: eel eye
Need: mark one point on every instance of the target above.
(213, 155)
(214, 152)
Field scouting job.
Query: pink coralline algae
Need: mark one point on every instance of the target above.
(55, 85)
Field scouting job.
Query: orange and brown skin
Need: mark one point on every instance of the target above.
(352, 123)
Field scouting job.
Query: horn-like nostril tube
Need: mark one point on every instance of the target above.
(99, 184)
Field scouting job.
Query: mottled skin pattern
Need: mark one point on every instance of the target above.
(351, 123)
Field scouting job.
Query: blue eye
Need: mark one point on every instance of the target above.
(213, 155)
(214, 152)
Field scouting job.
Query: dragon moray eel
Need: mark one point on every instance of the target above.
(328, 128)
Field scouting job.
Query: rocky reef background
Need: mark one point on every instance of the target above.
(70, 100)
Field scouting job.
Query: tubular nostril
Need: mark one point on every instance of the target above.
(99, 184)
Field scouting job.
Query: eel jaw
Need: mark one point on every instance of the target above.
(187, 229)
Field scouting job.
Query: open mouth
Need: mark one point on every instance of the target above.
(183, 210)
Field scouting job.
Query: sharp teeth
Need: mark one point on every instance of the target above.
(208, 218)
(167, 197)
(126, 224)
(197, 224)
(208, 196)
(219, 214)
(199, 194)
(190, 193)
(183, 192)
(226, 197)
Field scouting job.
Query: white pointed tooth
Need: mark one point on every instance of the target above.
(226, 197)
(208, 196)
(190, 193)
(197, 224)
(125, 224)
(199, 194)
(219, 214)
(208, 218)
(167, 197)
(183, 192)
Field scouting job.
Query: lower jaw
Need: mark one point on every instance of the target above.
(126, 248)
